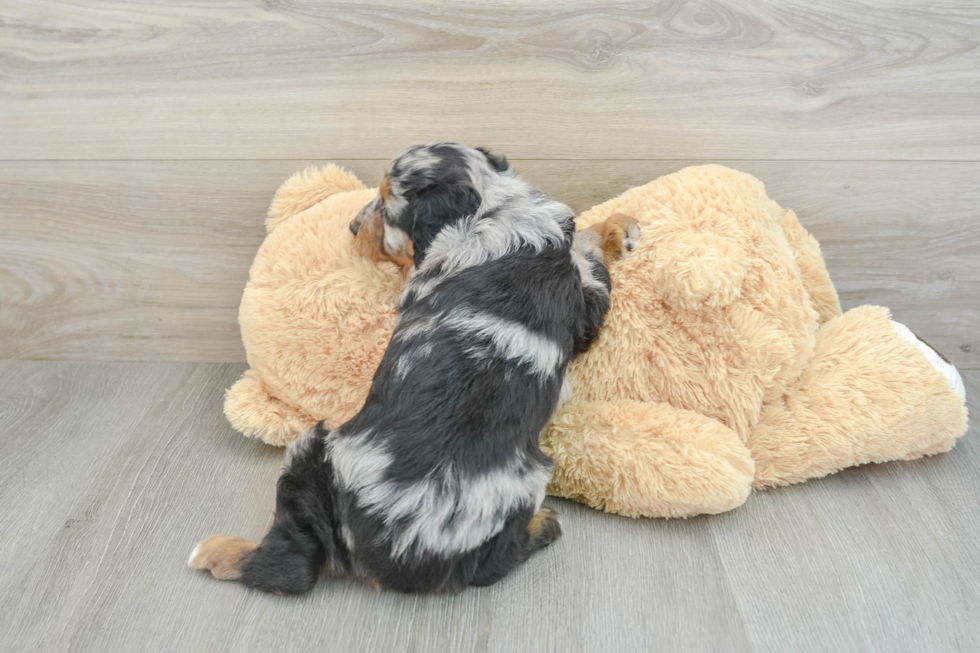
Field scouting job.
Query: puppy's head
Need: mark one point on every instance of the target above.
(369, 236)
(426, 188)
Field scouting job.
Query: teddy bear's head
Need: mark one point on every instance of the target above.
(713, 312)
(316, 314)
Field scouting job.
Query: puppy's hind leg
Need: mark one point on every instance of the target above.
(289, 558)
(287, 561)
(221, 555)
(514, 545)
(543, 529)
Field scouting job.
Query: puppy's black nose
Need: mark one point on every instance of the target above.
(353, 227)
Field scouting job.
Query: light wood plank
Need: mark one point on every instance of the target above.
(797, 79)
(883, 556)
(52, 434)
(147, 260)
(121, 467)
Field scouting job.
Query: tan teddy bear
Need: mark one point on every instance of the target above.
(724, 364)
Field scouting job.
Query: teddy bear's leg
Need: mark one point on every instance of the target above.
(870, 394)
(644, 459)
(252, 409)
(813, 271)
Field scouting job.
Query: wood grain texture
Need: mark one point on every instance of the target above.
(716, 79)
(112, 471)
(147, 260)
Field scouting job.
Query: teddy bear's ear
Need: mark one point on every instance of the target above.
(700, 269)
(307, 188)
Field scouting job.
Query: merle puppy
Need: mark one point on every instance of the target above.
(437, 483)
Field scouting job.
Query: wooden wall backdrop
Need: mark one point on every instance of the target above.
(141, 141)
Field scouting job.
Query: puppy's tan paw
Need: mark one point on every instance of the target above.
(620, 238)
(617, 237)
(221, 555)
(544, 528)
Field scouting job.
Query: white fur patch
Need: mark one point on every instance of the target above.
(348, 536)
(419, 158)
(359, 463)
(419, 327)
(566, 391)
(420, 288)
(467, 512)
(396, 202)
(190, 561)
(396, 240)
(405, 363)
(946, 369)
(510, 339)
(446, 514)
(414, 160)
(484, 237)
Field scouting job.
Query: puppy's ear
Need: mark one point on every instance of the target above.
(499, 163)
(437, 207)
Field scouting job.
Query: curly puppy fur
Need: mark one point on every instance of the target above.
(437, 483)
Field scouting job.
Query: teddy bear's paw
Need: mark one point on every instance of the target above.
(937, 360)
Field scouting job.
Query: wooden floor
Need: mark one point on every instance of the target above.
(109, 472)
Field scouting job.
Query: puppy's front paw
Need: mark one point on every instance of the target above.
(622, 234)
(617, 237)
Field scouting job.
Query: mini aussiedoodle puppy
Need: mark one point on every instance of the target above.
(437, 483)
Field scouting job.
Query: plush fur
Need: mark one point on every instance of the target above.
(725, 362)
(436, 483)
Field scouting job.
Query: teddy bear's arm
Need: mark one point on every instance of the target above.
(646, 459)
(252, 409)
